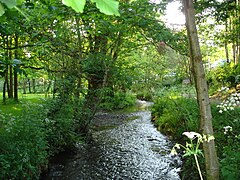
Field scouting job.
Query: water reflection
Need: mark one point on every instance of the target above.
(124, 149)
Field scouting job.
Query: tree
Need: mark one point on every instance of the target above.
(109, 7)
(211, 161)
(225, 14)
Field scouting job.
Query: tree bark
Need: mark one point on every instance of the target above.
(15, 74)
(10, 87)
(226, 42)
(211, 161)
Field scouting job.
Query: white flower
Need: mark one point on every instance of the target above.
(173, 151)
(192, 135)
(220, 111)
(227, 129)
(231, 108)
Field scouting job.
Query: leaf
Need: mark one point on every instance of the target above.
(9, 3)
(2, 10)
(109, 7)
(19, 2)
(77, 5)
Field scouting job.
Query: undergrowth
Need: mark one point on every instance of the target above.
(29, 137)
(174, 115)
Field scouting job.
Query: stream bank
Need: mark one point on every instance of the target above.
(122, 146)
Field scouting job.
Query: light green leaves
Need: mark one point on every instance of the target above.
(109, 7)
(2, 11)
(77, 5)
(9, 3)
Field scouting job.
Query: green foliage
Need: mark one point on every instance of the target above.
(30, 136)
(175, 116)
(226, 131)
(118, 100)
(59, 126)
(109, 7)
(23, 146)
(227, 75)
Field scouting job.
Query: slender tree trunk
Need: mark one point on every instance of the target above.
(33, 86)
(24, 86)
(226, 41)
(4, 86)
(211, 161)
(10, 87)
(234, 53)
(29, 86)
(15, 77)
(238, 30)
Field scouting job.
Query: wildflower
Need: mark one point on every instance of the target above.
(173, 151)
(227, 129)
(231, 108)
(192, 135)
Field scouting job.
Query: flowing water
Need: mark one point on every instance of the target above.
(122, 146)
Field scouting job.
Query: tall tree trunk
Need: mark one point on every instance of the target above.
(24, 86)
(226, 41)
(29, 86)
(211, 161)
(238, 30)
(234, 53)
(5, 85)
(10, 87)
(33, 86)
(15, 75)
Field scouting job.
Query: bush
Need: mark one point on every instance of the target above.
(118, 100)
(226, 131)
(144, 95)
(30, 138)
(23, 147)
(175, 116)
(60, 126)
(227, 75)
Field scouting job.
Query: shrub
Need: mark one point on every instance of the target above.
(23, 147)
(60, 125)
(30, 138)
(118, 100)
(175, 116)
(226, 131)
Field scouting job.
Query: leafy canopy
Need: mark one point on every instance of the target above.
(109, 7)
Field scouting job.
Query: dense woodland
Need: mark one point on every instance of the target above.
(81, 63)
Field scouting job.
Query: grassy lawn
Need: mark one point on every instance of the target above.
(15, 108)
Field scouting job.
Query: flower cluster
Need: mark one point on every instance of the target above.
(227, 129)
(223, 89)
(230, 103)
(192, 148)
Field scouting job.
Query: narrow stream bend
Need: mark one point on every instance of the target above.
(125, 149)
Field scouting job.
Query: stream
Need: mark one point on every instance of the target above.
(123, 146)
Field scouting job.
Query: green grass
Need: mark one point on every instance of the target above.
(16, 108)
